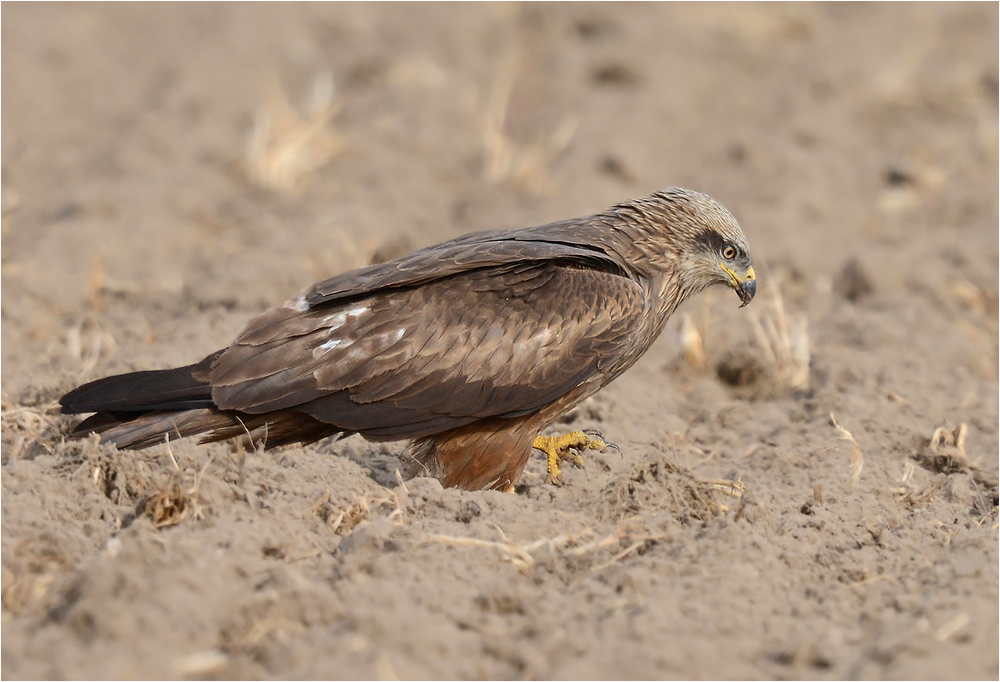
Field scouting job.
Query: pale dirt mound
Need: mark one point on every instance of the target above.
(805, 488)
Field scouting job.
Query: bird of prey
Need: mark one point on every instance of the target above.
(468, 348)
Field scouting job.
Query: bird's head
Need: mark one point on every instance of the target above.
(694, 239)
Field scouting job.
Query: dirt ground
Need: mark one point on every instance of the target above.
(170, 171)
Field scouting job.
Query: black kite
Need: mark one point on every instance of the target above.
(469, 348)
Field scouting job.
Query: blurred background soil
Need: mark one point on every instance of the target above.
(806, 488)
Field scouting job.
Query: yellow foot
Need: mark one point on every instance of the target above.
(567, 447)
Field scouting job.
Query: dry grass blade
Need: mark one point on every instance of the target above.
(784, 341)
(857, 458)
(512, 553)
(620, 555)
(945, 453)
(524, 166)
(169, 505)
(693, 333)
(173, 502)
(30, 569)
(693, 342)
(286, 146)
(631, 530)
(952, 627)
(22, 427)
(343, 520)
(87, 342)
(909, 491)
(727, 487)
(201, 664)
(974, 297)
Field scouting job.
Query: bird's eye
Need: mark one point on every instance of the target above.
(729, 253)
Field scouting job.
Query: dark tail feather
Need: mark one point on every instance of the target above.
(184, 388)
(137, 430)
(132, 430)
(141, 409)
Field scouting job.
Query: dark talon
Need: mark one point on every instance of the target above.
(597, 434)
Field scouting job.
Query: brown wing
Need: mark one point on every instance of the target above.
(474, 251)
(409, 362)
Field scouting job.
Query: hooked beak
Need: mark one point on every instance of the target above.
(745, 286)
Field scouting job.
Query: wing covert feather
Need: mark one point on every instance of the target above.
(406, 363)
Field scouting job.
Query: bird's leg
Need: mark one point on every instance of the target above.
(568, 447)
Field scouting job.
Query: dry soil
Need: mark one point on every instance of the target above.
(170, 171)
